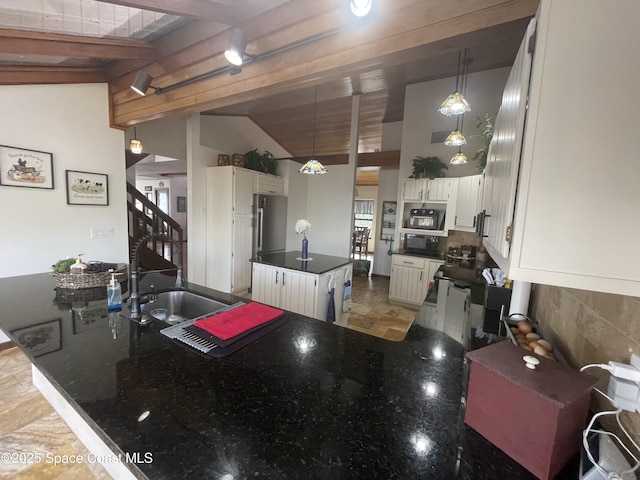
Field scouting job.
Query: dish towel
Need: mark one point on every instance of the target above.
(331, 310)
(346, 298)
(233, 322)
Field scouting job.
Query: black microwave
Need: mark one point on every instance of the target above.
(423, 218)
(421, 244)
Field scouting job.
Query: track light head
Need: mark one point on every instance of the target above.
(236, 50)
(360, 8)
(142, 83)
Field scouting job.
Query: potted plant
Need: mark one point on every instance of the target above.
(480, 156)
(428, 167)
(261, 162)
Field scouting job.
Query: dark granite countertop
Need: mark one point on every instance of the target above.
(318, 265)
(354, 406)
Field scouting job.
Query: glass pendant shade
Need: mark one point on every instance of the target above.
(454, 104)
(459, 158)
(313, 167)
(455, 139)
(135, 145)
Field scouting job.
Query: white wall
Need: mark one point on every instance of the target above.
(163, 137)
(329, 209)
(387, 192)
(38, 227)
(237, 135)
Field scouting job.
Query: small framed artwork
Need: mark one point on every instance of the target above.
(21, 167)
(41, 338)
(388, 220)
(86, 188)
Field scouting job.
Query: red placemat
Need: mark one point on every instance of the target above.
(233, 322)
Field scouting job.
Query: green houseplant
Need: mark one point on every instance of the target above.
(261, 162)
(487, 126)
(428, 167)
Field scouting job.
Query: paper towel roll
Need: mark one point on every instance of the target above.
(520, 298)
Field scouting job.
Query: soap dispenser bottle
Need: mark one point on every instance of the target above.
(78, 267)
(114, 293)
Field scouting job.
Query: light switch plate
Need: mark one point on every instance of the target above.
(101, 232)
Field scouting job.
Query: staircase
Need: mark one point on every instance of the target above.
(145, 217)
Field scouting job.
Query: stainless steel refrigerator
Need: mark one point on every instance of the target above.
(269, 224)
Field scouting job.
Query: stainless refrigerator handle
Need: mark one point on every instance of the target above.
(259, 241)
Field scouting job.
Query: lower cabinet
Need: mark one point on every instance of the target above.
(410, 277)
(299, 292)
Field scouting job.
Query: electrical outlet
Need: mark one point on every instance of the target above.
(101, 232)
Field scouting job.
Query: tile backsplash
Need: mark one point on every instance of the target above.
(591, 327)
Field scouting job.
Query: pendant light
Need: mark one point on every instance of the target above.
(135, 145)
(456, 104)
(313, 166)
(459, 158)
(455, 138)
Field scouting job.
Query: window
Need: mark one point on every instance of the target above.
(363, 212)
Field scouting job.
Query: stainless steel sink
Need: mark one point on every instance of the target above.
(178, 306)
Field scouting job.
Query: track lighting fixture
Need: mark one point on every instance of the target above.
(235, 52)
(135, 145)
(142, 83)
(360, 8)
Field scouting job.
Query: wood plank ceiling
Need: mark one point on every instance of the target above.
(303, 50)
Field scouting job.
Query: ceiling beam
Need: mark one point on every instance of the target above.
(38, 43)
(203, 9)
(400, 36)
(50, 75)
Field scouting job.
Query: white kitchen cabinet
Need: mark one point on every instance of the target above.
(575, 192)
(415, 189)
(228, 255)
(410, 278)
(423, 189)
(469, 202)
(269, 184)
(299, 292)
(284, 288)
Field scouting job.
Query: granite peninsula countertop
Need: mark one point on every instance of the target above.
(318, 264)
(353, 406)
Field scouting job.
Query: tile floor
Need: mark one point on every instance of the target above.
(372, 313)
(29, 425)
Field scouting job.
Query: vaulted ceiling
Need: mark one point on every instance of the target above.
(309, 57)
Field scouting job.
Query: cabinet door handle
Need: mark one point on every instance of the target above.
(277, 277)
(283, 279)
(421, 272)
(408, 263)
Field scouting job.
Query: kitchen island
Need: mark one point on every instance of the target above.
(307, 400)
(285, 281)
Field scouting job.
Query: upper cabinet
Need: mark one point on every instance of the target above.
(469, 202)
(561, 183)
(269, 184)
(439, 194)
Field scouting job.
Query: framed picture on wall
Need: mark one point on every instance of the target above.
(86, 188)
(388, 220)
(21, 167)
